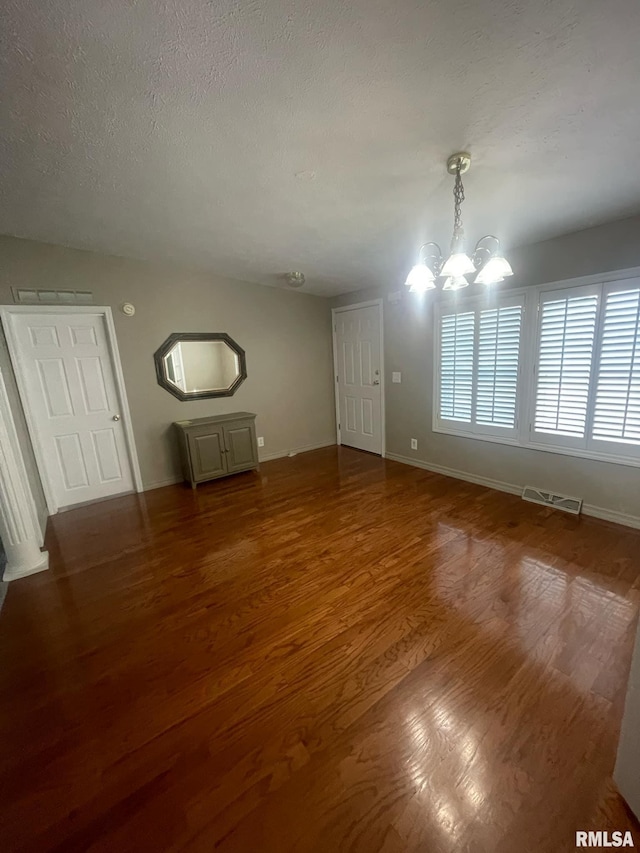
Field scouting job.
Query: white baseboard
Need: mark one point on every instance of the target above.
(499, 485)
(513, 489)
(41, 566)
(266, 457)
(280, 454)
(611, 515)
(159, 484)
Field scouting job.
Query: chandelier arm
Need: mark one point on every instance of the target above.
(482, 253)
(434, 258)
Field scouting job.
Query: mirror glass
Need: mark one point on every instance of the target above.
(194, 365)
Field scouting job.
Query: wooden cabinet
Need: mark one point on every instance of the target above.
(217, 446)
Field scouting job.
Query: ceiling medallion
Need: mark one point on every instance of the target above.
(487, 263)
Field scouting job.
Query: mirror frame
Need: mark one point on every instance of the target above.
(177, 337)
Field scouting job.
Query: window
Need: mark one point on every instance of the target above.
(565, 352)
(456, 366)
(478, 367)
(562, 376)
(617, 395)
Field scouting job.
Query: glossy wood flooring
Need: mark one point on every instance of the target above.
(337, 654)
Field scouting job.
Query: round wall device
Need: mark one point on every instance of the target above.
(128, 309)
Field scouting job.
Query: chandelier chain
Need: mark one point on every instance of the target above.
(458, 198)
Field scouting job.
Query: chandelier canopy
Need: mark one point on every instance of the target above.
(487, 263)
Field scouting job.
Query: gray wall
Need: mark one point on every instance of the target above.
(286, 336)
(408, 330)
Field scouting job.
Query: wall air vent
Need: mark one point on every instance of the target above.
(29, 296)
(563, 502)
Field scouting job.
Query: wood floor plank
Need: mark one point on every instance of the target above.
(340, 653)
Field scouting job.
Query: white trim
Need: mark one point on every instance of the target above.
(383, 420)
(6, 416)
(19, 524)
(112, 342)
(512, 489)
(611, 515)
(306, 448)
(6, 314)
(160, 484)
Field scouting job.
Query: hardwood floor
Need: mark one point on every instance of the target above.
(336, 654)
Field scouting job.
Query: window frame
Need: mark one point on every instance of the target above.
(523, 435)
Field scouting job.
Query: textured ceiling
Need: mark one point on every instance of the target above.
(251, 138)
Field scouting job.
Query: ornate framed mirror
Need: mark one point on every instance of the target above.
(195, 365)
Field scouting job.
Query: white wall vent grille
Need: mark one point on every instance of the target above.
(563, 502)
(30, 296)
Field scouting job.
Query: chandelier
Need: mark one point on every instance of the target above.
(487, 264)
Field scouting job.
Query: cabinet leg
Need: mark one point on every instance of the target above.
(193, 485)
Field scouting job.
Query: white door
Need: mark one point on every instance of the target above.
(358, 360)
(68, 380)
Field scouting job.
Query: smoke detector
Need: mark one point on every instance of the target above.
(295, 279)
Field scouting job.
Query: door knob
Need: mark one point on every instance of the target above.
(376, 382)
(116, 417)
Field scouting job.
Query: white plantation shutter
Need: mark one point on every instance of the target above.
(570, 371)
(617, 396)
(457, 335)
(564, 358)
(497, 366)
(478, 367)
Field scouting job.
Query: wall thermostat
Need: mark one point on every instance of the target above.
(128, 309)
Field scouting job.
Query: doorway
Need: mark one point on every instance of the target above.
(70, 382)
(359, 368)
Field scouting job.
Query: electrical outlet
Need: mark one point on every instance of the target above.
(396, 376)
(414, 443)
(260, 441)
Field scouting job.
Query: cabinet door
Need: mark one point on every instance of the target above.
(206, 448)
(240, 442)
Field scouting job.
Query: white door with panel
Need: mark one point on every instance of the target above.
(68, 379)
(358, 360)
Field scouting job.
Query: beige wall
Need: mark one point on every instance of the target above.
(286, 336)
(408, 329)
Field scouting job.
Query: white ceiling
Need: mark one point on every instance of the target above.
(251, 138)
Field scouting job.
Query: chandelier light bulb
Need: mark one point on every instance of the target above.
(458, 264)
(495, 269)
(420, 279)
(455, 283)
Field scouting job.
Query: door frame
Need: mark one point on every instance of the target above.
(7, 313)
(334, 312)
